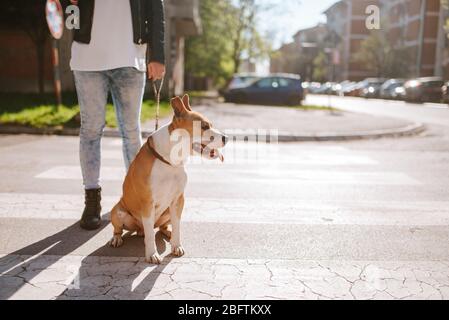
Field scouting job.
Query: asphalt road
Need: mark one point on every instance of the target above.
(365, 219)
(429, 113)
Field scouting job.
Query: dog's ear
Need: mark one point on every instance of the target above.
(178, 106)
(186, 101)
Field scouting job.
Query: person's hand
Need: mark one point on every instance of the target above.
(74, 2)
(156, 70)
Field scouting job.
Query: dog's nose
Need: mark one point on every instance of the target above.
(224, 139)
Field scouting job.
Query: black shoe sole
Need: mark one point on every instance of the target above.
(90, 227)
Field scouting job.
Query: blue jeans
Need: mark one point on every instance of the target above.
(127, 88)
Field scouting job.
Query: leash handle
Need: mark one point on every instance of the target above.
(157, 95)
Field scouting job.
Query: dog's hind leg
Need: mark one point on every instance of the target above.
(166, 230)
(164, 224)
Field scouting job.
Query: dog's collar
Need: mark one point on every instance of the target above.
(150, 145)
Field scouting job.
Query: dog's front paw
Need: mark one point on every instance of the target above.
(153, 259)
(116, 241)
(177, 251)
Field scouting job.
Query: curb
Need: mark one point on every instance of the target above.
(407, 131)
(283, 136)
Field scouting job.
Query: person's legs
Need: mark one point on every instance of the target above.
(92, 89)
(127, 88)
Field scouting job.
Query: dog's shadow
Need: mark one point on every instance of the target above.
(118, 273)
(104, 274)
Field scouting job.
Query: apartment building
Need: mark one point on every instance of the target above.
(442, 60)
(415, 25)
(297, 56)
(348, 19)
(308, 42)
(285, 58)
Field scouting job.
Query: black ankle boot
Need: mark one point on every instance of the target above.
(91, 218)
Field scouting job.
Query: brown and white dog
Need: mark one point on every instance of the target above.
(153, 191)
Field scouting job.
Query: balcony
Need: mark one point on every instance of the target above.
(185, 14)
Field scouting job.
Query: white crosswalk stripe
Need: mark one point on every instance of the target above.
(261, 176)
(269, 211)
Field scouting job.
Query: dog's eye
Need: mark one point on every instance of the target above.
(205, 127)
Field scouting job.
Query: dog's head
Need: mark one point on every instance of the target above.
(204, 139)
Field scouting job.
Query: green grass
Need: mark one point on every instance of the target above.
(313, 108)
(39, 111)
(197, 94)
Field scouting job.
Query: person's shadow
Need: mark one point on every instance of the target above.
(44, 253)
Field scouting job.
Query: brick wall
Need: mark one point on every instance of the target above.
(18, 63)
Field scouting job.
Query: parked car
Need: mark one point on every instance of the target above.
(388, 88)
(328, 88)
(239, 80)
(242, 80)
(353, 90)
(445, 92)
(314, 87)
(274, 89)
(424, 89)
(370, 87)
(344, 85)
(398, 93)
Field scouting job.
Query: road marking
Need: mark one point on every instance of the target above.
(436, 105)
(261, 175)
(276, 176)
(254, 211)
(253, 153)
(302, 158)
(74, 173)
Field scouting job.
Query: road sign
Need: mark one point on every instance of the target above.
(55, 18)
(336, 57)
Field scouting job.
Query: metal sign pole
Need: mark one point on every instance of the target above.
(55, 17)
(56, 72)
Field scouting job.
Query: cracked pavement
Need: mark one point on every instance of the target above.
(77, 277)
(349, 220)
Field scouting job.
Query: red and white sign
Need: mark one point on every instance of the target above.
(336, 57)
(55, 18)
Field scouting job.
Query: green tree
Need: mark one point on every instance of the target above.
(210, 54)
(247, 39)
(229, 35)
(445, 5)
(378, 55)
(321, 65)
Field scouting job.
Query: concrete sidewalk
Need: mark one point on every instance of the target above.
(290, 124)
(296, 124)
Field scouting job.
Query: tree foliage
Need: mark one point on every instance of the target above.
(229, 35)
(445, 4)
(378, 55)
(210, 54)
(248, 42)
(321, 66)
